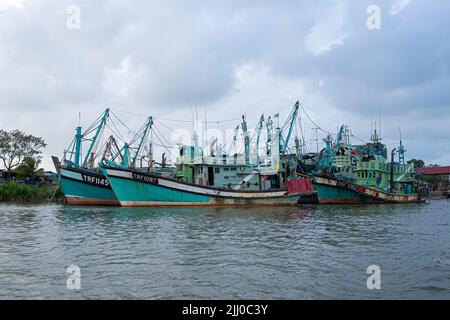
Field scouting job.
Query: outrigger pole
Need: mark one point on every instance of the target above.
(258, 130)
(94, 140)
(78, 138)
(148, 125)
(291, 125)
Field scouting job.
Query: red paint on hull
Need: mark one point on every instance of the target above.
(91, 202)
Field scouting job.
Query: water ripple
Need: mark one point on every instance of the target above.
(310, 252)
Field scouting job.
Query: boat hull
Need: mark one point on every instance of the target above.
(84, 187)
(137, 189)
(333, 191)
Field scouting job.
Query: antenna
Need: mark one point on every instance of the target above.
(379, 121)
(206, 128)
(316, 140)
(401, 149)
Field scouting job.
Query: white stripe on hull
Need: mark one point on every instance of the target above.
(199, 190)
(71, 174)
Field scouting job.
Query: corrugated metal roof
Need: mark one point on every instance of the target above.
(434, 170)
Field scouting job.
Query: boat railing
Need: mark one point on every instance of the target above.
(240, 160)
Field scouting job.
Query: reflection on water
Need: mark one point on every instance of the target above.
(308, 252)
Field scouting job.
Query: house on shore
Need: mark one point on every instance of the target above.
(2, 176)
(48, 178)
(437, 177)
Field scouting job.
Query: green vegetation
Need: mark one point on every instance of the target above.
(16, 146)
(29, 168)
(20, 156)
(417, 163)
(13, 191)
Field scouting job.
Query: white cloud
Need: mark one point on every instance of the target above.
(398, 6)
(5, 4)
(328, 32)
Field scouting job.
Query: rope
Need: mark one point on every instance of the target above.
(56, 189)
(159, 139)
(188, 121)
(312, 121)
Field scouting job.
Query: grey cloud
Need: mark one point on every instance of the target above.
(164, 57)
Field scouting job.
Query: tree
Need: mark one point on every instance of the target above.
(15, 146)
(29, 168)
(417, 163)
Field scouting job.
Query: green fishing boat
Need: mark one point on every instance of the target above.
(362, 174)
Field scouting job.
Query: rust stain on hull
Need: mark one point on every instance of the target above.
(91, 202)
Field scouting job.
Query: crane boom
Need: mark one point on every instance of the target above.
(258, 137)
(148, 125)
(97, 133)
(291, 126)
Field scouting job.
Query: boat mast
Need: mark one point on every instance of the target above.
(246, 140)
(126, 155)
(258, 129)
(94, 140)
(337, 144)
(328, 156)
(148, 126)
(392, 171)
(78, 138)
(291, 126)
(269, 126)
(401, 150)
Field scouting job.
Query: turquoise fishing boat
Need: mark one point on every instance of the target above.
(222, 178)
(85, 187)
(81, 182)
(362, 175)
(138, 189)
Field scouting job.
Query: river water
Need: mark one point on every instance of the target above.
(309, 252)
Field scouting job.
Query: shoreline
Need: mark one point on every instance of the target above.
(14, 192)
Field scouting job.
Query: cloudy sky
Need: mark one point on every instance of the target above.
(166, 58)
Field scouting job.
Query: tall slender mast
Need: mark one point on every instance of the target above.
(148, 126)
(94, 140)
(78, 138)
(246, 140)
(269, 126)
(291, 126)
(259, 128)
(126, 155)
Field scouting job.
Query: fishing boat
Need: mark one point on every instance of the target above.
(81, 186)
(222, 178)
(81, 182)
(362, 174)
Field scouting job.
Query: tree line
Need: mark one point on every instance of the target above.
(20, 154)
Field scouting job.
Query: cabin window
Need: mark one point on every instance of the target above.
(226, 177)
(226, 169)
(233, 169)
(217, 170)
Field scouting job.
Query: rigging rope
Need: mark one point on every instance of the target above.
(312, 121)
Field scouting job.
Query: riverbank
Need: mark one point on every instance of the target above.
(13, 191)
